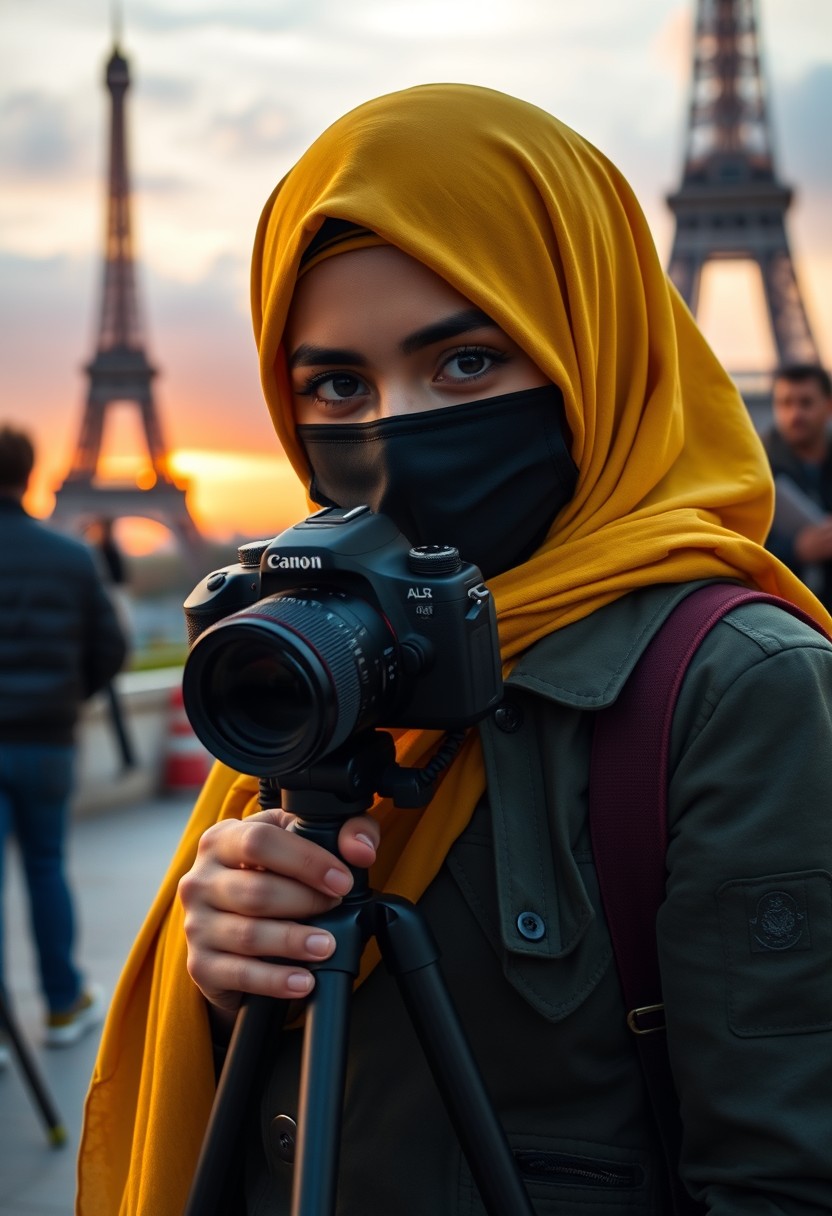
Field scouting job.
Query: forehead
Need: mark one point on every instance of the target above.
(365, 288)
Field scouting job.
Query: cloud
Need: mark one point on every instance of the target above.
(162, 185)
(221, 15)
(261, 129)
(43, 300)
(37, 137)
(802, 108)
(166, 90)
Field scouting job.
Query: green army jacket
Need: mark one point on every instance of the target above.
(745, 941)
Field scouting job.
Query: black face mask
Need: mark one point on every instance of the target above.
(488, 477)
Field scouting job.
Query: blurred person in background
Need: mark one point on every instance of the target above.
(100, 534)
(60, 642)
(800, 454)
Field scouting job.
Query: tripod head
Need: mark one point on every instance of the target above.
(344, 782)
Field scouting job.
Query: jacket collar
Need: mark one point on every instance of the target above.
(586, 664)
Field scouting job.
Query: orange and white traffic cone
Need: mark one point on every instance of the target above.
(187, 762)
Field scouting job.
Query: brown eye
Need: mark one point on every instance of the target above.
(344, 386)
(470, 363)
(333, 387)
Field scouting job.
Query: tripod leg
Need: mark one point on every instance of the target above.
(408, 950)
(321, 1095)
(256, 1018)
(55, 1129)
(321, 1092)
(324, 1061)
(125, 746)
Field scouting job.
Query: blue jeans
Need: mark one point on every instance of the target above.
(35, 787)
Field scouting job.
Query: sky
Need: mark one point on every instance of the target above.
(227, 94)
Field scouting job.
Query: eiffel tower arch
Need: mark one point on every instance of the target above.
(731, 203)
(121, 372)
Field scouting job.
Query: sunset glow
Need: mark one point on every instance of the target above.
(219, 108)
(241, 494)
(230, 495)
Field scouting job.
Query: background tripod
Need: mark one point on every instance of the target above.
(323, 797)
(55, 1130)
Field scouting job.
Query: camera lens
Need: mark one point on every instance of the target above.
(274, 687)
(265, 698)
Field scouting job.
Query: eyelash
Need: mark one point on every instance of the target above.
(309, 387)
(312, 384)
(495, 356)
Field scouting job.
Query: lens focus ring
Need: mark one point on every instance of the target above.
(328, 636)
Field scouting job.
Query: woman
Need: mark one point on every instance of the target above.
(462, 320)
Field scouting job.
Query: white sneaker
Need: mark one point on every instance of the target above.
(64, 1029)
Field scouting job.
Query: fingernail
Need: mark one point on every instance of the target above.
(366, 840)
(319, 944)
(299, 981)
(338, 882)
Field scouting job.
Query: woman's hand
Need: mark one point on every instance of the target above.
(250, 889)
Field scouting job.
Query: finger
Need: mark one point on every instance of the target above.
(227, 956)
(258, 844)
(252, 937)
(251, 893)
(280, 818)
(358, 840)
(229, 977)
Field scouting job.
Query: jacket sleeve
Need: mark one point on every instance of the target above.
(104, 641)
(745, 934)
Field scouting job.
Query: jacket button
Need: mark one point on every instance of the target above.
(531, 926)
(508, 716)
(283, 1132)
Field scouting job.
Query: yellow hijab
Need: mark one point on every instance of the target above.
(540, 231)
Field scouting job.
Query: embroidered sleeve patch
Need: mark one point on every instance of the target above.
(777, 943)
(779, 921)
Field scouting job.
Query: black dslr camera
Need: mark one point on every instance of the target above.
(336, 626)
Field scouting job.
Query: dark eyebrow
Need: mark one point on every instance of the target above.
(438, 331)
(324, 356)
(450, 327)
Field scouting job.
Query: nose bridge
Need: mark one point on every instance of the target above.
(398, 394)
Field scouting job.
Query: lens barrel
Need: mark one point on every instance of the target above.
(274, 687)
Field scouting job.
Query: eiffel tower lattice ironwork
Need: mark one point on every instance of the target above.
(730, 203)
(120, 372)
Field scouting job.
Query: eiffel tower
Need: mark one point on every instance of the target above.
(731, 203)
(120, 372)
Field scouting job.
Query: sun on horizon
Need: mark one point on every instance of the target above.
(229, 494)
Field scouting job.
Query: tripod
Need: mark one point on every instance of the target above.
(55, 1130)
(323, 797)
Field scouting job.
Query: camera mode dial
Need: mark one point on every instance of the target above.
(249, 554)
(434, 559)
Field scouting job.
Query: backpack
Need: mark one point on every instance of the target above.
(628, 823)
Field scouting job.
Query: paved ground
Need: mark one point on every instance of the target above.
(116, 862)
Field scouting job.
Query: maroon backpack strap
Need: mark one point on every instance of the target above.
(628, 823)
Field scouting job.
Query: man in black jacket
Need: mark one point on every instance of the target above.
(800, 454)
(60, 642)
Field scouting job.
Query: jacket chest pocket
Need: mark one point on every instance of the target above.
(546, 923)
